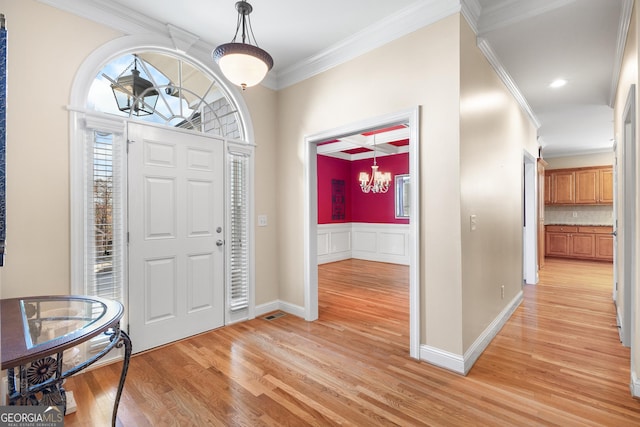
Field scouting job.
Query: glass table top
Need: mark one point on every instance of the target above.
(48, 320)
(34, 327)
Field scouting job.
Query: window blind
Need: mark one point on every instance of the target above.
(238, 295)
(105, 236)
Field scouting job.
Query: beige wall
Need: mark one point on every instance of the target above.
(262, 108)
(462, 170)
(595, 159)
(494, 132)
(628, 77)
(46, 46)
(418, 69)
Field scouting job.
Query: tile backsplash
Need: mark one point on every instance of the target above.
(579, 215)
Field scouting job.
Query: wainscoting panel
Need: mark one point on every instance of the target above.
(373, 242)
(334, 242)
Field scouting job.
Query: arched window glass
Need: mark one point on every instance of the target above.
(171, 91)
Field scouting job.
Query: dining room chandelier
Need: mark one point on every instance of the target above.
(243, 63)
(377, 182)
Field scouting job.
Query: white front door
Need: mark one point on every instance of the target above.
(176, 252)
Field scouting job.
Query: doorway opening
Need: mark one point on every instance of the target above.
(410, 119)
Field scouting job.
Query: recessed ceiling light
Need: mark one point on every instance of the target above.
(558, 83)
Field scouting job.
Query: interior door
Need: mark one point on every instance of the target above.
(176, 252)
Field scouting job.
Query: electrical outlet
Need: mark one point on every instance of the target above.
(575, 214)
(262, 220)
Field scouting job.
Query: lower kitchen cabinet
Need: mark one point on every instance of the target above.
(580, 242)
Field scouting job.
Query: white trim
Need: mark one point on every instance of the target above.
(507, 13)
(635, 384)
(530, 212)
(113, 49)
(410, 116)
(405, 21)
(567, 153)
(463, 364)
(485, 338)
(504, 75)
(367, 241)
(330, 237)
(444, 359)
(272, 306)
(623, 31)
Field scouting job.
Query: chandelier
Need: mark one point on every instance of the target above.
(243, 63)
(378, 182)
(134, 94)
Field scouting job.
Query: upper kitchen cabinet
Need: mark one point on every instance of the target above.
(563, 187)
(581, 186)
(587, 186)
(606, 185)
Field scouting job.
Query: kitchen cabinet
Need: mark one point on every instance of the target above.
(547, 189)
(587, 186)
(580, 186)
(563, 187)
(580, 242)
(606, 185)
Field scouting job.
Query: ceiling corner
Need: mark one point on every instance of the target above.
(471, 10)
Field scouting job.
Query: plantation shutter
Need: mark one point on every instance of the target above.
(238, 295)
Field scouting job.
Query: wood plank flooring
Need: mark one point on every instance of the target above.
(557, 362)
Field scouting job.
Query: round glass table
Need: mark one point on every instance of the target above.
(37, 334)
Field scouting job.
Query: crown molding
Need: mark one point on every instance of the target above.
(623, 32)
(109, 14)
(405, 21)
(511, 12)
(471, 10)
(576, 152)
(488, 52)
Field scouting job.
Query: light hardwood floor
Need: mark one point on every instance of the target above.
(557, 361)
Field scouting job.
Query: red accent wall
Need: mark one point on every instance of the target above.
(360, 207)
(330, 168)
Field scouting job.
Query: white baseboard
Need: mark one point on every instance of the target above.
(462, 364)
(481, 343)
(635, 384)
(293, 309)
(441, 358)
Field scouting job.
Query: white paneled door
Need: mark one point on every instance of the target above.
(176, 239)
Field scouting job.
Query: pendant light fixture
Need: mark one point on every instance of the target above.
(134, 94)
(378, 182)
(243, 63)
